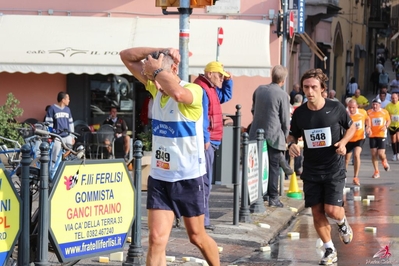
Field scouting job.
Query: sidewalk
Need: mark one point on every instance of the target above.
(237, 241)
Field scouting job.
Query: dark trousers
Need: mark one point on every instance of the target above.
(209, 158)
(274, 172)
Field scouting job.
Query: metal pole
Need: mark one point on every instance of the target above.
(135, 254)
(184, 36)
(24, 242)
(284, 47)
(236, 162)
(244, 209)
(258, 206)
(133, 136)
(42, 254)
(284, 63)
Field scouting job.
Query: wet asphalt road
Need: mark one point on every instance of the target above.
(382, 213)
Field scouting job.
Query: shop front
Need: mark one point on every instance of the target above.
(43, 55)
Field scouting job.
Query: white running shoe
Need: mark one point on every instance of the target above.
(330, 257)
(345, 232)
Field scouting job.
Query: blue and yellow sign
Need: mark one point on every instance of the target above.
(91, 208)
(10, 216)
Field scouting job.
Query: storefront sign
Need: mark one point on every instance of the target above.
(69, 52)
(91, 208)
(224, 7)
(301, 16)
(298, 7)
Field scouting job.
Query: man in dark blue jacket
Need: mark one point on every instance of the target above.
(59, 117)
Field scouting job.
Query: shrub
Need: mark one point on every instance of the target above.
(8, 114)
(146, 139)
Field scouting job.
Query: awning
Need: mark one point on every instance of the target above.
(313, 46)
(394, 37)
(66, 44)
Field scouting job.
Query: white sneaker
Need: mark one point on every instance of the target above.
(330, 257)
(395, 157)
(345, 232)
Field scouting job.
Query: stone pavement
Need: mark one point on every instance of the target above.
(237, 241)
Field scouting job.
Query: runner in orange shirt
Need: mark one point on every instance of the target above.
(355, 144)
(379, 122)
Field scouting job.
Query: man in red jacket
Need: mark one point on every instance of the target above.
(218, 88)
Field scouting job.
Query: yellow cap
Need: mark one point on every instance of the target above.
(216, 67)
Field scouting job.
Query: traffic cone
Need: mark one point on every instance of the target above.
(293, 190)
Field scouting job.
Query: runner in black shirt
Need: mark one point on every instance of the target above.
(322, 124)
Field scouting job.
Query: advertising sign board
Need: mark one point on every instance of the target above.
(265, 170)
(253, 168)
(91, 208)
(298, 7)
(10, 216)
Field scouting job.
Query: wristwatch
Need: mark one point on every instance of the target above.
(156, 72)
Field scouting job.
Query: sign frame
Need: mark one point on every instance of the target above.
(106, 164)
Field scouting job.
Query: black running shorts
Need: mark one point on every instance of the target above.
(185, 198)
(326, 189)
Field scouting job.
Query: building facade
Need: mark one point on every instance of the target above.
(74, 47)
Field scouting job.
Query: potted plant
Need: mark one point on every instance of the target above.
(146, 139)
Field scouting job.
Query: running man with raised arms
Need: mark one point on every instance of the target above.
(176, 181)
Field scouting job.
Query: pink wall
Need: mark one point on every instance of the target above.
(34, 91)
(49, 85)
(243, 89)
